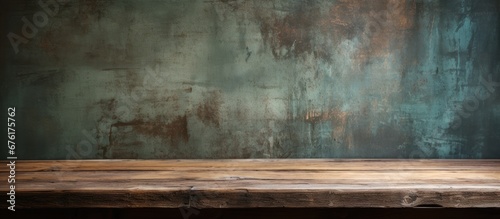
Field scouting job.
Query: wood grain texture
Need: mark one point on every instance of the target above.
(257, 183)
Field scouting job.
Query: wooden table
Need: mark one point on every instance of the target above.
(252, 183)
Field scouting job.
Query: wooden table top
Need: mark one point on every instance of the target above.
(252, 183)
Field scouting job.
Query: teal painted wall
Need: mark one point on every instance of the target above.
(252, 79)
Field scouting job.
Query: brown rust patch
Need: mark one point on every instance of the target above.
(311, 30)
(308, 30)
(343, 19)
(176, 131)
(292, 35)
(208, 111)
(385, 26)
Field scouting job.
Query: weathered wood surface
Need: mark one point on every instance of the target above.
(257, 183)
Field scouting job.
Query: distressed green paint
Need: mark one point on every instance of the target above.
(255, 79)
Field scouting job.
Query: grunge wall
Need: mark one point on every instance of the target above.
(252, 79)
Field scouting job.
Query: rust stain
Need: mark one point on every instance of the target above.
(342, 20)
(175, 132)
(292, 35)
(208, 111)
(385, 28)
(306, 29)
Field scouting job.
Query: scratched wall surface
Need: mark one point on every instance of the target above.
(252, 79)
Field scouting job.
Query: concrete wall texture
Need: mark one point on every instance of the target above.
(161, 79)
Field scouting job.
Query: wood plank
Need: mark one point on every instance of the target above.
(255, 164)
(227, 176)
(257, 183)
